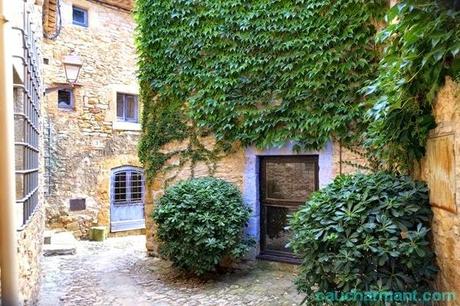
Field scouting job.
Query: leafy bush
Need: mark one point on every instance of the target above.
(200, 221)
(365, 232)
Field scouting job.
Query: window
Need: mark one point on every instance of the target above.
(127, 109)
(65, 98)
(128, 186)
(120, 191)
(80, 16)
(27, 123)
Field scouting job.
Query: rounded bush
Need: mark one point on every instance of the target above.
(201, 221)
(364, 233)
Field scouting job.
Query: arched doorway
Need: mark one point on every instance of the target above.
(127, 199)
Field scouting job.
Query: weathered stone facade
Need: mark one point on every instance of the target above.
(446, 219)
(347, 161)
(229, 168)
(30, 241)
(241, 167)
(30, 232)
(87, 141)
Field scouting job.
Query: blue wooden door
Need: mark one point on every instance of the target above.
(127, 199)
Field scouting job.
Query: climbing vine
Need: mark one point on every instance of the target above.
(165, 121)
(422, 44)
(259, 72)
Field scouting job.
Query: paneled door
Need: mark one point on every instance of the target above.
(127, 199)
(286, 182)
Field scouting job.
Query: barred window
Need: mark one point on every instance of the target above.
(27, 126)
(128, 185)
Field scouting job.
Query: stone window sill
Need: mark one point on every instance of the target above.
(126, 126)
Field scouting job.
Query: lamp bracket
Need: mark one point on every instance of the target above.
(61, 86)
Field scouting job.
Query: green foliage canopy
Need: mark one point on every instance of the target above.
(199, 222)
(422, 46)
(256, 72)
(364, 233)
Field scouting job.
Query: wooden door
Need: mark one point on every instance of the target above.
(286, 182)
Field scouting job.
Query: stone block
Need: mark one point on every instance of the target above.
(74, 226)
(62, 243)
(56, 250)
(97, 233)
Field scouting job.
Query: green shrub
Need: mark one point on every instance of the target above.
(201, 221)
(364, 232)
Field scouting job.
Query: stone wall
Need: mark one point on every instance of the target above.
(230, 168)
(241, 168)
(446, 173)
(347, 161)
(30, 235)
(30, 241)
(87, 141)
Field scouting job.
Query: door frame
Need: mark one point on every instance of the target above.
(128, 224)
(274, 255)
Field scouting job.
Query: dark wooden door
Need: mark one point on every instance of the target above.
(286, 182)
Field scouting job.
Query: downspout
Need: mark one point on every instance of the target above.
(340, 158)
(8, 243)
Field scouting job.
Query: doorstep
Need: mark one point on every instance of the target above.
(61, 243)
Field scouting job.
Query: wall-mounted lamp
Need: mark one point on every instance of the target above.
(72, 66)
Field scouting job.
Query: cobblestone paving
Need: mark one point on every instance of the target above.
(118, 272)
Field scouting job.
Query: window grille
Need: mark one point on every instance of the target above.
(128, 186)
(27, 121)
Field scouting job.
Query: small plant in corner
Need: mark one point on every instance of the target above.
(367, 232)
(201, 222)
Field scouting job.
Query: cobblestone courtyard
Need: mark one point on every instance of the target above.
(118, 272)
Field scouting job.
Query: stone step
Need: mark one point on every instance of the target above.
(62, 243)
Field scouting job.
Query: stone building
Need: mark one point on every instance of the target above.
(272, 179)
(93, 176)
(22, 236)
(441, 169)
(274, 182)
(87, 147)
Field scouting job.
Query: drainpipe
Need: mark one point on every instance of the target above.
(340, 158)
(8, 243)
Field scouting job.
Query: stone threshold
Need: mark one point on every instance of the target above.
(59, 243)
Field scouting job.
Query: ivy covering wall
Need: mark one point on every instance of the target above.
(422, 46)
(265, 72)
(252, 72)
